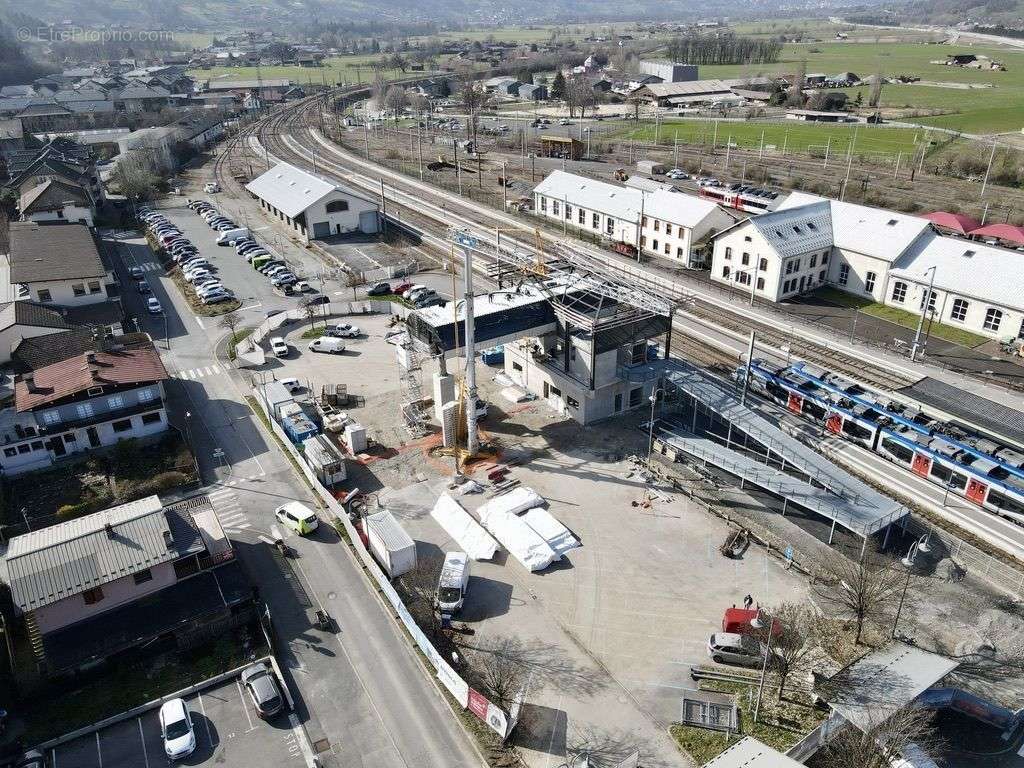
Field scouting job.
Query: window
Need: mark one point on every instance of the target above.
(70, 437)
(595, 221)
(814, 260)
(657, 225)
(124, 425)
(959, 311)
(146, 395)
(643, 222)
(635, 396)
(796, 265)
(609, 225)
(869, 282)
(517, 367)
(821, 276)
(44, 295)
(581, 216)
(92, 596)
(572, 402)
(10, 452)
(115, 401)
(762, 265)
(930, 296)
(679, 253)
(554, 208)
(746, 259)
(668, 228)
(643, 241)
(84, 410)
(151, 418)
(725, 272)
(760, 283)
(51, 417)
(899, 291)
(94, 286)
(743, 278)
(747, 238)
(668, 249)
(844, 274)
(728, 254)
(543, 204)
(141, 577)
(78, 289)
(568, 212)
(37, 445)
(654, 244)
(993, 318)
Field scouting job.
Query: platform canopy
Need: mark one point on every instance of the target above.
(955, 222)
(1007, 232)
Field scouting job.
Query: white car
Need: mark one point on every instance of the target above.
(292, 384)
(343, 331)
(154, 306)
(211, 187)
(176, 728)
(279, 346)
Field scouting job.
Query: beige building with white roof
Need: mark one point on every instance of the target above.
(673, 225)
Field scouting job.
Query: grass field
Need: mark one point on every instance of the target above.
(795, 137)
(348, 69)
(994, 109)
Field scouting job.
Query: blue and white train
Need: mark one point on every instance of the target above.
(983, 471)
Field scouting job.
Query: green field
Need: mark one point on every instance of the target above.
(796, 137)
(348, 69)
(995, 109)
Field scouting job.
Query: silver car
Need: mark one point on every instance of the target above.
(261, 685)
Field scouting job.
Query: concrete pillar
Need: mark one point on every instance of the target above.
(832, 532)
(449, 423)
(444, 392)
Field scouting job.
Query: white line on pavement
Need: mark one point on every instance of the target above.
(245, 708)
(206, 721)
(142, 740)
(300, 736)
(199, 322)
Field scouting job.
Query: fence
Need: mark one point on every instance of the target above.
(333, 309)
(496, 718)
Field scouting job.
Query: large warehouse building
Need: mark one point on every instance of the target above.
(312, 205)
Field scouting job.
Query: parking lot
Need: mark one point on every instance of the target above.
(228, 734)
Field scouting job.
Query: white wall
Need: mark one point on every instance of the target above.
(945, 303)
(861, 269)
(62, 291)
(72, 213)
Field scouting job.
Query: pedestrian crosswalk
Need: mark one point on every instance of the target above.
(201, 372)
(149, 266)
(229, 510)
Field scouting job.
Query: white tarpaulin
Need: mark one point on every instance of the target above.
(514, 502)
(558, 537)
(460, 525)
(522, 542)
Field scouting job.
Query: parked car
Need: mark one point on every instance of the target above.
(298, 517)
(343, 331)
(430, 301)
(136, 273)
(378, 289)
(733, 648)
(216, 298)
(279, 346)
(412, 289)
(143, 287)
(417, 295)
(153, 305)
(283, 279)
(292, 384)
(176, 728)
(401, 288)
(303, 287)
(196, 273)
(261, 685)
(327, 345)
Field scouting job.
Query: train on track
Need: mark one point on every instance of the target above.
(976, 467)
(743, 197)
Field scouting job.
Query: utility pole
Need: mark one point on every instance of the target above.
(383, 208)
(899, 156)
(419, 149)
(728, 149)
(828, 147)
(760, 152)
(785, 142)
(504, 185)
(924, 310)
(849, 167)
(472, 441)
(988, 170)
(366, 137)
(746, 373)
(675, 149)
(714, 137)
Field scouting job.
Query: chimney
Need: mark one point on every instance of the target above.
(90, 357)
(30, 382)
(168, 539)
(109, 529)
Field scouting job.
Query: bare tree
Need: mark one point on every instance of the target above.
(474, 99)
(865, 591)
(875, 94)
(635, 102)
(230, 322)
(136, 177)
(396, 100)
(379, 87)
(793, 643)
(497, 668)
(419, 588)
(310, 309)
(579, 94)
(886, 736)
(796, 93)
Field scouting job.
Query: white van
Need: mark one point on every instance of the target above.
(229, 236)
(454, 581)
(327, 344)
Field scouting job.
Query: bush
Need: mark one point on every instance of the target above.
(161, 483)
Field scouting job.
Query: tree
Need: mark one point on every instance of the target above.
(887, 734)
(230, 322)
(579, 95)
(524, 76)
(474, 99)
(863, 590)
(379, 88)
(395, 99)
(136, 177)
(796, 93)
(558, 87)
(497, 668)
(875, 94)
(635, 101)
(798, 638)
(397, 61)
(310, 310)
(419, 588)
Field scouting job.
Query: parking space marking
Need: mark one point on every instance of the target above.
(142, 738)
(241, 697)
(300, 737)
(206, 721)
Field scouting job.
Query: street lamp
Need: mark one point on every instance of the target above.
(925, 309)
(920, 545)
(650, 425)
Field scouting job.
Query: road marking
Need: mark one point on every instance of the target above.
(199, 322)
(200, 372)
(142, 739)
(245, 708)
(206, 721)
(300, 736)
(252, 306)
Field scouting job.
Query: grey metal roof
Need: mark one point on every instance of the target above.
(292, 190)
(850, 502)
(392, 534)
(873, 688)
(50, 564)
(793, 231)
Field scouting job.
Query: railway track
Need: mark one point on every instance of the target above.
(287, 135)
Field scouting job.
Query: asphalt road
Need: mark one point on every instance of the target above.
(362, 694)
